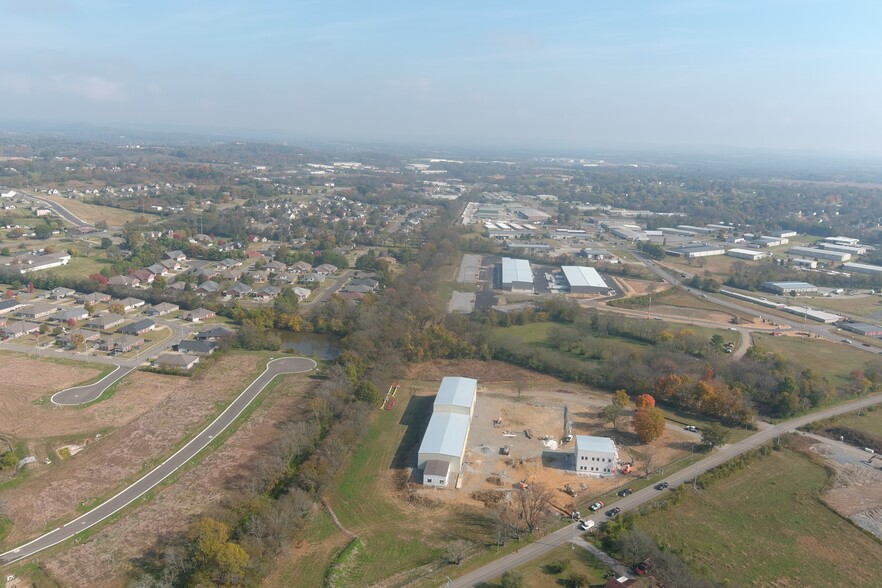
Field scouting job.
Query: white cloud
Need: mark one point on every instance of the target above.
(18, 83)
(90, 87)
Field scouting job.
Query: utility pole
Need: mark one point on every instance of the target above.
(695, 470)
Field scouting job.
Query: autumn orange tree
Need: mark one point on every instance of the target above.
(644, 401)
(648, 423)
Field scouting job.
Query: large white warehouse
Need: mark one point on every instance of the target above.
(443, 448)
(584, 280)
(516, 275)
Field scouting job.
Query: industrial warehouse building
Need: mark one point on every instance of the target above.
(516, 275)
(697, 251)
(818, 253)
(865, 329)
(751, 254)
(584, 280)
(443, 448)
(788, 287)
(863, 268)
(596, 456)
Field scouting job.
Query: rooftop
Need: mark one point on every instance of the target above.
(516, 270)
(446, 434)
(457, 392)
(583, 276)
(598, 444)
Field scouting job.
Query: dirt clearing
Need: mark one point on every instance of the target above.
(180, 407)
(103, 560)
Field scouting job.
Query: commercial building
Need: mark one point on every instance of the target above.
(442, 450)
(865, 329)
(818, 253)
(532, 215)
(584, 280)
(751, 254)
(788, 287)
(863, 268)
(516, 275)
(25, 264)
(854, 250)
(596, 455)
(851, 241)
(697, 251)
(799, 262)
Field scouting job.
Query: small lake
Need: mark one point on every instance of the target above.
(324, 347)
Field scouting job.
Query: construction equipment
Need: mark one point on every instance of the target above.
(569, 490)
(505, 450)
(509, 434)
(627, 468)
(497, 422)
(528, 433)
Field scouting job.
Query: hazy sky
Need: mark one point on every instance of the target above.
(804, 74)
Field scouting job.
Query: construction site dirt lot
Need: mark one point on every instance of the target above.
(538, 406)
(105, 559)
(175, 408)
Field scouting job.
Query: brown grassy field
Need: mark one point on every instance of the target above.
(147, 415)
(93, 213)
(104, 560)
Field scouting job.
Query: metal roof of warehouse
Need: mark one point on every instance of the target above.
(599, 444)
(457, 391)
(446, 434)
(516, 270)
(583, 276)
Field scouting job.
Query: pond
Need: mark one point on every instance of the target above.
(323, 347)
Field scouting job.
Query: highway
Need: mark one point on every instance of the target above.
(275, 367)
(634, 501)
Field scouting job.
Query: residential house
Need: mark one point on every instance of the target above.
(198, 315)
(17, 329)
(144, 276)
(228, 263)
(176, 255)
(105, 321)
(60, 293)
(301, 267)
(131, 303)
(94, 298)
(180, 361)
(170, 264)
(369, 282)
(259, 275)
(127, 281)
(161, 309)
(313, 278)
(157, 269)
(238, 290)
(326, 269)
(65, 339)
(36, 311)
(215, 334)
(266, 292)
(197, 347)
(76, 314)
(302, 293)
(207, 287)
(8, 306)
(138, 327)
(276, 266)
(120, 343)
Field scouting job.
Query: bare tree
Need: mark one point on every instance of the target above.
(533, 501)
(520, 386)
(647, 464)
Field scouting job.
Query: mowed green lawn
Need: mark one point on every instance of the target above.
(538, 573)
(834, 360)
(765, 526)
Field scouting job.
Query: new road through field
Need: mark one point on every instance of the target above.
(570, 533)
(275, 367)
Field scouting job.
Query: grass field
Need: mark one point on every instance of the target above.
(834, 360)
(93, 213)
(78, 267)
(766, 526)
(852, 306)
(539, 573)
(869, 421)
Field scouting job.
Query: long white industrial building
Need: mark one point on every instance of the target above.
(443, 448)
(516, 275)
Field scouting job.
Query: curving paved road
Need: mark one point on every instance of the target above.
(634, 501)
(275, 367)
(58, 208)
(89, 392)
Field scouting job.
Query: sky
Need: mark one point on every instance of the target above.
(550, 76)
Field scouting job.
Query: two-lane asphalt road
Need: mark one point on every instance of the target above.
(634, 501)
(275, 367)
(83, 394)
(58, 208)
